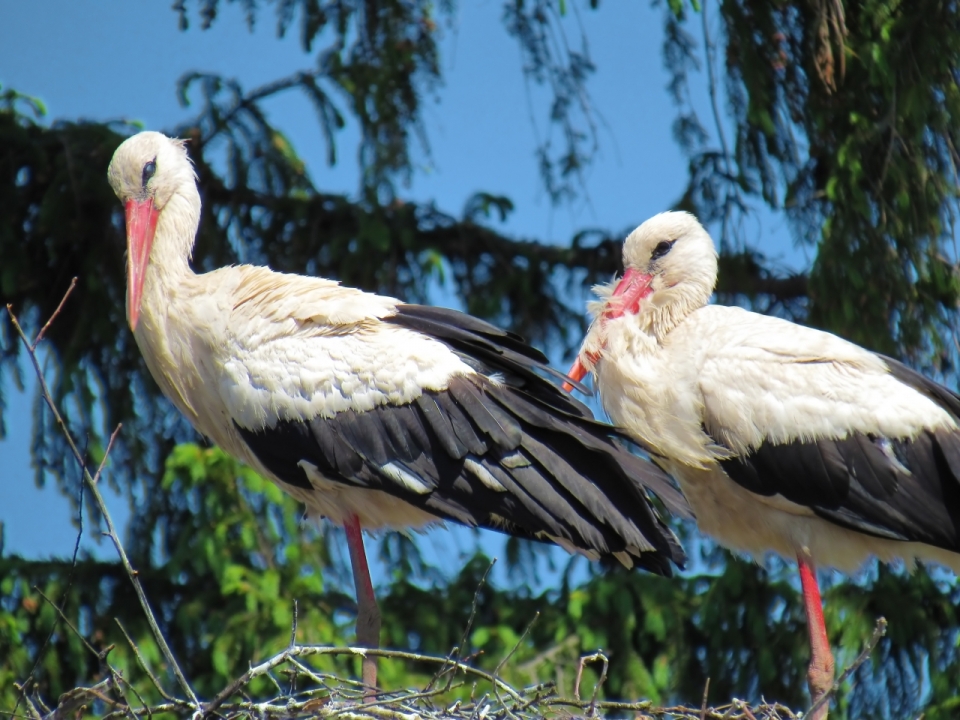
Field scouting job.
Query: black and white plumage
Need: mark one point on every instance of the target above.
(783, 438)
(372, 412)
(905, 489)
(499, 448)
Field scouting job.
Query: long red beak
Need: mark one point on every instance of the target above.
(633, 287)
(142, 219)
(576, 372)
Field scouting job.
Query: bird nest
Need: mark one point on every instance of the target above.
(312, 694)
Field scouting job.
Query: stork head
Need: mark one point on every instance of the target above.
(155, 181)
(670, 270)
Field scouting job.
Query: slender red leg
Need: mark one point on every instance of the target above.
(368, 612)
(820, 672)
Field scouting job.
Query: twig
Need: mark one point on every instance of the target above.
(46, 325)
(530, 666)
(496, 671)
(598, 655)
(740, 705)
(73, 700)
(317, 650)
(67, 622)
(703, 704)
(293, 630)
(293, 642)
(76, 545)
(396, 700)
(523, 636)
(102, 506)
(878, 632)
(22, 689)
(457, 651)
(143, 664)
(596, 688)
(120, 680)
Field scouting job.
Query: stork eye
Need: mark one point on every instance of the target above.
(662, 249)
(149, 170)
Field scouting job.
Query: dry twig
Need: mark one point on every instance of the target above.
(98, 498)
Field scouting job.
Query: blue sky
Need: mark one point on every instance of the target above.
(120, 59)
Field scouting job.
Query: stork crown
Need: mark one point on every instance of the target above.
(151, 165)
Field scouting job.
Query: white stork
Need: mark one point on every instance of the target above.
(372, 412)
(782, 437)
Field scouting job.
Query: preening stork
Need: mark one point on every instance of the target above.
(782, 437)
(372, 412)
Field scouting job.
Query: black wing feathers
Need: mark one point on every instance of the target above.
(503, 449)
(485, 347)
(546, 483)
(897, 488)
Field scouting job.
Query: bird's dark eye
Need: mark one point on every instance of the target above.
(662, 249)
(148, 171)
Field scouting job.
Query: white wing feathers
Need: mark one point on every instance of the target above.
(295, 347)
(762, 378)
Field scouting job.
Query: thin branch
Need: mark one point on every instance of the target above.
(523, 636)
(22, 689)
(102, 506)
(599, 655)
(46, 325)
(457, 651)
(143, 663)
(878, 632)
(496, 671)
(67, 622)
(317, 650)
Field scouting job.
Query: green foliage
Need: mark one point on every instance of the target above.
(375, 60)
(846, 116)
(235, 560)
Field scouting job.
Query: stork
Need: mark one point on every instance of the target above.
(372, 412)
(783, 438)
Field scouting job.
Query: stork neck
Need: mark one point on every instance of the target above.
(660, 320)
(169, 266)
(669, 306)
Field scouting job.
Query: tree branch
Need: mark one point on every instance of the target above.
(92, 485)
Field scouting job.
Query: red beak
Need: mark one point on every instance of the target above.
(633, 287)
(577, 372)
(142, 219)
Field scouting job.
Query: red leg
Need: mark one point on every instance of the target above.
(368, 613)
(821, 671)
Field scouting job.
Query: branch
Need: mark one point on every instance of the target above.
(598, 252)
(92, 484)
(318, 650)
(878, 632)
